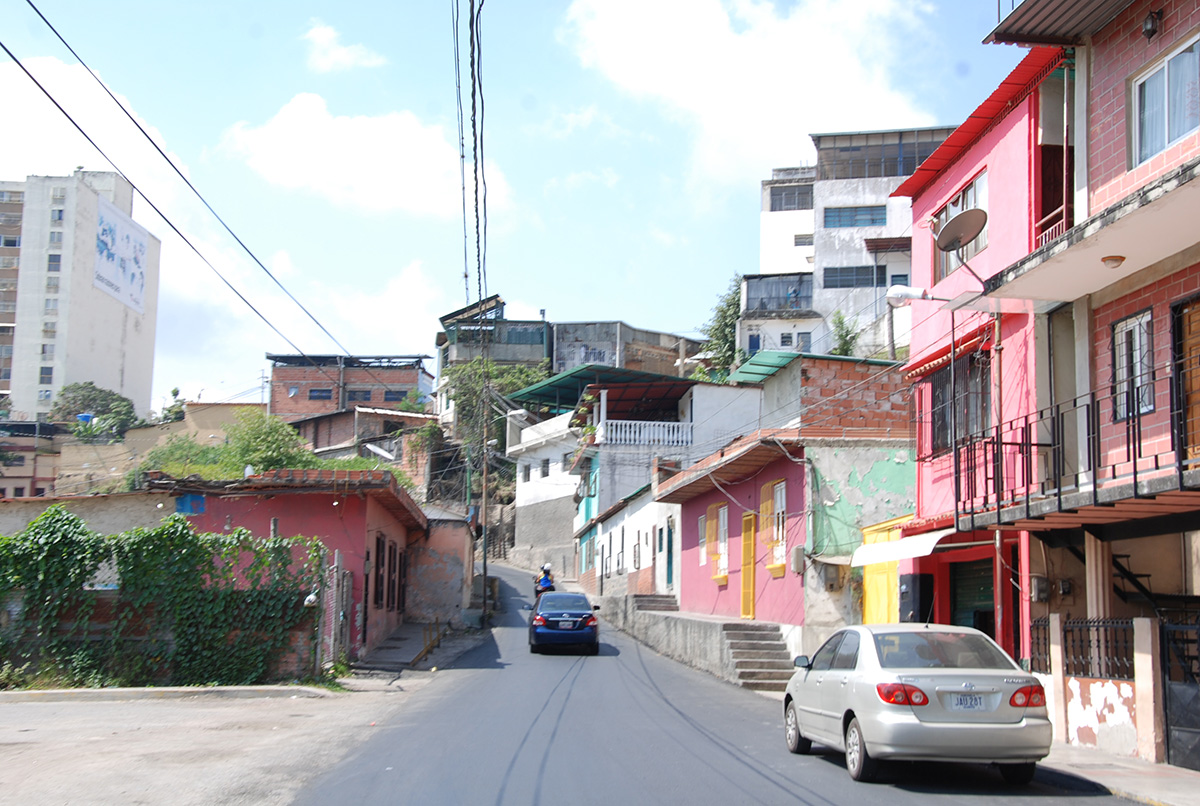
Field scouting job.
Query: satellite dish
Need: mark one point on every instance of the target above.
(961, 230)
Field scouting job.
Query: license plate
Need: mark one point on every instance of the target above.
(967, 702)
(566, 625)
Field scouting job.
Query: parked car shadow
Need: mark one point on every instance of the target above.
(949, 778)
(606, 650)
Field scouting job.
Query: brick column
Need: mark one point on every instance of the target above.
(1148, 690)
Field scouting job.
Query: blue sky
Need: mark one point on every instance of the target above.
(624, 144)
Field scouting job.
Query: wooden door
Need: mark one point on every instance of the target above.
(748, 565)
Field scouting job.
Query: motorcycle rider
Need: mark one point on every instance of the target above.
(544, 581)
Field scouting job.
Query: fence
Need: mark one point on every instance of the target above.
(1098, 648)
(1039, 650)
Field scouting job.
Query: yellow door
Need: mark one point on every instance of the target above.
(748, 565)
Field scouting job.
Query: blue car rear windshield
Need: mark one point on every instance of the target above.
(938, 650)
(563, 601)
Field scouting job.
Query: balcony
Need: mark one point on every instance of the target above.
(644, 432)
(1118, 462)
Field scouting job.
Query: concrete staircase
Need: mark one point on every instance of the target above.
(659, 602)
(760, 657)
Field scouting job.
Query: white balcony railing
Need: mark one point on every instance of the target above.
(644, 432)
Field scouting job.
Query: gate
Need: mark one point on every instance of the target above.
(338, 604)
(1181, 689)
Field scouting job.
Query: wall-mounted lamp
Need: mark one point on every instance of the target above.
(901, 296)
(1150, 24)
(1112, 261)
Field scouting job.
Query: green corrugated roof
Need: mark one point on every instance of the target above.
(762, 365)
(562, 392)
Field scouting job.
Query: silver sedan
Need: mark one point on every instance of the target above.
(917, 692)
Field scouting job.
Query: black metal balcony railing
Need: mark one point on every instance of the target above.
(1098, 648)
(1147, 427)
(1039, 648)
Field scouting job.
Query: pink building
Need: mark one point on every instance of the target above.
(1058, 463)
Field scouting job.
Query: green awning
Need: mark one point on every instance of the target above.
(762, 365)
(562, 392)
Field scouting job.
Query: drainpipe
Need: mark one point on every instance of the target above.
(999, 589)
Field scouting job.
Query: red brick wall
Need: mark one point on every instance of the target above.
(587, 580)
(1120, 53)
(308, 378)
(855, 397)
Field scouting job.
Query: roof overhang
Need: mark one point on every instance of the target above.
(561, 392)
(734, 463)
(1147, 226)
(1054, 22)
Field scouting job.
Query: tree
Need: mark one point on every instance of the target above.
(466, 383)
(845, 334)
(87, 398)
(264, 443)
(172, 413)
(721, 330)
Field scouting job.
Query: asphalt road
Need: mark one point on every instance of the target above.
(502, 726)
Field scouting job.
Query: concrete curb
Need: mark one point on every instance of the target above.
(163, 693)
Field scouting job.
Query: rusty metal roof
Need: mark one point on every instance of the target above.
(1055, 22)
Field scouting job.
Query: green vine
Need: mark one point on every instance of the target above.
(191, 608)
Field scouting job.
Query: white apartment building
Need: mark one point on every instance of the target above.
(78, 290)
(831, 238)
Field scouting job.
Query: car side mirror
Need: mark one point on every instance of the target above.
(802, 662)
(527, 607)
(595, 607)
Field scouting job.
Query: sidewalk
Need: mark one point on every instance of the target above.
(1128, 777)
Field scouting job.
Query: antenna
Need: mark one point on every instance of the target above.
(960, 231)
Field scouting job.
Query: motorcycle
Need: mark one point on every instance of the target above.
(539, 589)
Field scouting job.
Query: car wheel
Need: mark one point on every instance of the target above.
(1018, 774)
(859, 763)
(594, 649)
(533, 649)
(796, 741)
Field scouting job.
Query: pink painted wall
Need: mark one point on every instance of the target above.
(346, 523)
(1121, 53)
(776, 599)
(1007, 154)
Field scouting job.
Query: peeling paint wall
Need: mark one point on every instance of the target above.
(440, 574)
(1102, 714)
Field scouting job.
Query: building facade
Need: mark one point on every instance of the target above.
(78, 290)
(308, 385)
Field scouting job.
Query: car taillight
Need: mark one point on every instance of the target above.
(590, 621)
(539, 621)
(901, 694)
(1028, 697)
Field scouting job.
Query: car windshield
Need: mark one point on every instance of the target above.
(563, 601)
(938, 650)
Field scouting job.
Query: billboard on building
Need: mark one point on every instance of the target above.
(120, 256)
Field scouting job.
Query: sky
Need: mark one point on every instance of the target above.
(624, 146)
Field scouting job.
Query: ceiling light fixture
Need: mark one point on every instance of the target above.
(1112, 261)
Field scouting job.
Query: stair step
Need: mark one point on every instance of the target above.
(756, 626)
(739, 644)
(775, 664)
(764, 685)
(764, 674)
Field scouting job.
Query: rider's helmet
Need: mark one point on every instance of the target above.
(546, 568)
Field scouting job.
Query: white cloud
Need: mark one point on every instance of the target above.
(378, 164)
(606, 177)
(749, 81)
(326, 54)
(565, 124)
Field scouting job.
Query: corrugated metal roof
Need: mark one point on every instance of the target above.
(1023, 79)
(1055, 22)
(762, 365)
(562, 392)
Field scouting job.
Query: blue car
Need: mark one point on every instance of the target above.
(564, 619)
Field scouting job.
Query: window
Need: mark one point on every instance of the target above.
(804, 240)
(779, 522)
(18, 492)
(361, 395)
(51, 285)
(524, 472)
(320, 394)
(46, 376)
(855, 276)
(566, 460)
(54, 263)
(379, 567)
(56, 217)
(17, 460)
(393, 395)
(973, 197)
(11, 241)
(779, 292)
(47, 352)
(51, 306)
(391, 576)
(972, 407)
(805, 345)
(847, 654)
(785, 339)
(702, 538)
(545, 468)
(9, 262)
(791, 197)
(49, 330)
(899, 279)
(56, 238)
(1167, 102)
(838, 217)
(17, 196)
(823, 660)
(723, 541)
(44, 395)
(39, 491)
(1133, 366)
(58, 194)
(293, 391)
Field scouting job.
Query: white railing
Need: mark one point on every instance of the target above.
(645, 432)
